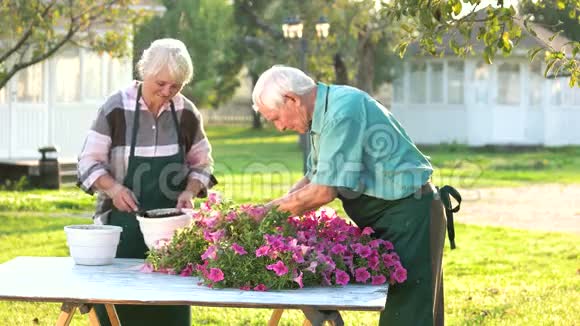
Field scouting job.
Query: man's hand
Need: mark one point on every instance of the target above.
(123, 198)
(184, 200)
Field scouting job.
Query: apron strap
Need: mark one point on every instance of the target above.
(445, 193)
(136, 125)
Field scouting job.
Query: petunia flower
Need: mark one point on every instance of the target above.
(298, 279)
(367, 231)
(187, 271)
(341, 277)
(147, 268)
(262, 251)
(361, 275)
(215, 274)
(238, 249)
(279, 268)
(400, 274)
(210, 253)
(260, 287)
(378, 280)
(338, 249)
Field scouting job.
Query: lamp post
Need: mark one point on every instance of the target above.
(292, 28)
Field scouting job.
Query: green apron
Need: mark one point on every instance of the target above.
(156, 182)
(408, 224)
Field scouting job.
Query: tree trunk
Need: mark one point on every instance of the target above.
(256, 121)
(366, 63)
(340, 70)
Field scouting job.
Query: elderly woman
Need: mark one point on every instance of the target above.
(147, 149)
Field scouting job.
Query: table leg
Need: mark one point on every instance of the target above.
(112, 313)
(275, 318)
(318, 317)
(67, 311)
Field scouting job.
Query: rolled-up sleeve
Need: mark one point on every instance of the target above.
(93, 160)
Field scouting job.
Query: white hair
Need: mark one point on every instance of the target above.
(276, 82)
(170, 54)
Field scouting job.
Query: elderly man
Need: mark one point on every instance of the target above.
(363, 156)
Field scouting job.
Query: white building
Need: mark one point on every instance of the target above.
(446, 100)
(55, 101)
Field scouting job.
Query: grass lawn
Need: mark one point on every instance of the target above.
(497, 276)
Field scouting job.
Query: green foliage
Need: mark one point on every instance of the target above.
(207, 29)
(34, 30)
(496, 29)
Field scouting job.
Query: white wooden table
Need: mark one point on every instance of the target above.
(58, 279)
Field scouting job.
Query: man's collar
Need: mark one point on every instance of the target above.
(319, 108)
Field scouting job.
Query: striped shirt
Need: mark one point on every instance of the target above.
(108, 143)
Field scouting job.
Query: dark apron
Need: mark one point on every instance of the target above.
(156, 182)
(416, 227)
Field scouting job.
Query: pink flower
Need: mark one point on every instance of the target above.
(231, 216)
(279, 268)
(298, 279)
(312, 267)
(388, 245)
(375, 243)
(297, 257)
(215, 274)
(213, 198)
(363, 251)
(214, 236)
(238, 249)
(187, 271)
(400, 274)
(147, 268)
(210, 253)
(338, 249)
(260, 287)
(367, 231)
(362, 275)
(262, 251)
(378, 280)
(389, 260)
(373, 262)
(161, 243)
(245, 288)
(342, 277)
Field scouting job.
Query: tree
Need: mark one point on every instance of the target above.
(207, 29)
(348, 56)
(33, 30)
(548, 15)
(437, 24)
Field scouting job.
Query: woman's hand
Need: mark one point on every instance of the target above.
(184, 200)
(123, 198)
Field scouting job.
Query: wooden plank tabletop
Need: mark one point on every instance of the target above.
(58, 279)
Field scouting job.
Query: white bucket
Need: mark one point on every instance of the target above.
(93, 244)
(158, 229)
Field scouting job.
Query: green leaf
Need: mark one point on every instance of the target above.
(457, 7)
(555, 35)
(561, 4)
(533, 52)
(572, 81)
(549, 67)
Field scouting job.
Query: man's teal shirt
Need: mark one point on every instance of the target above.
(360, 148)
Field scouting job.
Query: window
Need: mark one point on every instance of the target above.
(29, 82)
(508, 83)
(418, 83)
(481, 79)
(67, 70)
(536, 83)
(92, 76)
(455, 82)
(436, 82)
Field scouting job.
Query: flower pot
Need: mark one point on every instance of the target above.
(160, 225)
(93, 244)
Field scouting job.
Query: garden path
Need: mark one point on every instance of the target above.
(551, 207)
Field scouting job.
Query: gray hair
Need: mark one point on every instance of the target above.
(277, 81)
(167, 53)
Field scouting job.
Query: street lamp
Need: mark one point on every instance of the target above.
(292, 28)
